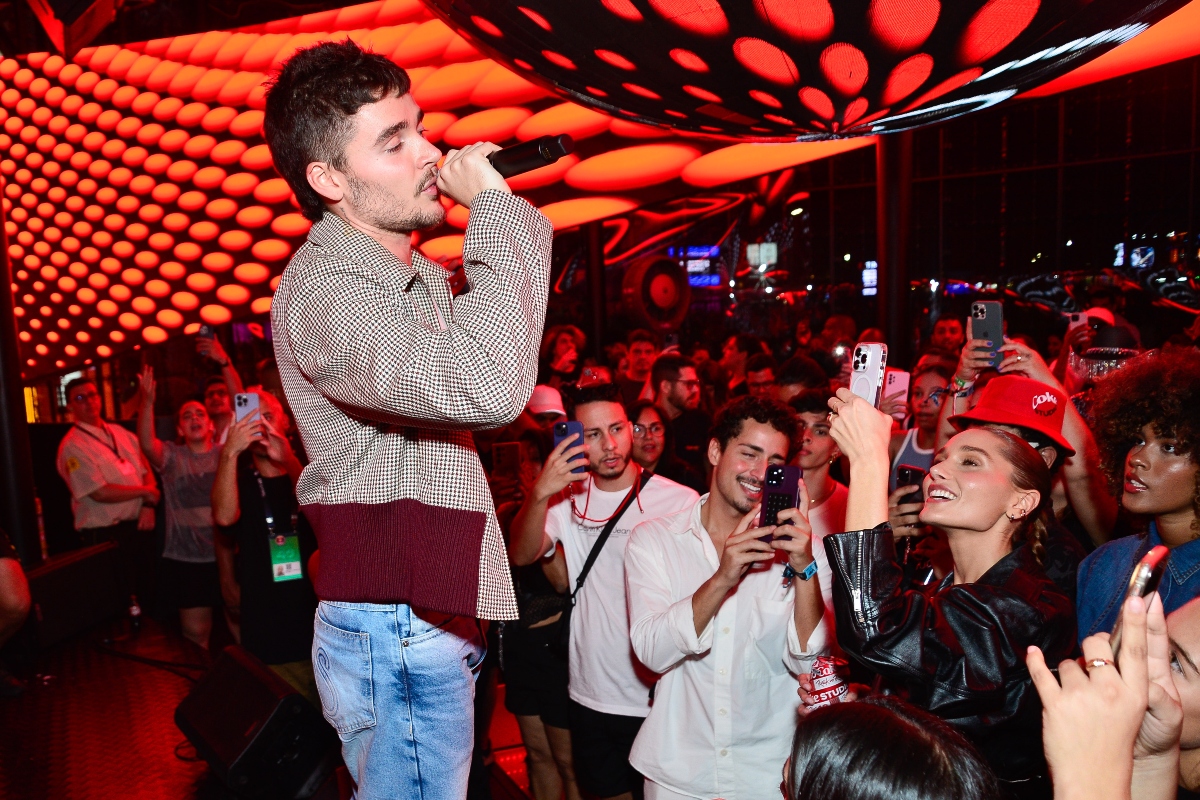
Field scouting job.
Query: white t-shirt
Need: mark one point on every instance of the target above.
(90, 457)
(605, 675)
(827, 518)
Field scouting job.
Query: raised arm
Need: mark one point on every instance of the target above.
(226, 505)
(1087, 490)
(975, 358)
(862, 433)
(476, 371)
(151, 446)
(211, 348)
(529, 541)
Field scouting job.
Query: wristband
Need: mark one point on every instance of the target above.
(961, 384)
(805, 575)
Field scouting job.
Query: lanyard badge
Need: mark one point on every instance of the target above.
(285, 548)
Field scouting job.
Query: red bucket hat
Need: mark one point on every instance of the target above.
(1024, 403)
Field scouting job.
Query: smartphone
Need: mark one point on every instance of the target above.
(244, 406)
(1142, 583)
(908, 475)
(206, 332)
(568, 430)
(897, 380)
(1076, 320)
(781, 491)
(987, 322)
(867, 369)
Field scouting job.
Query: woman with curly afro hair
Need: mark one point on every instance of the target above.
(1148, 428)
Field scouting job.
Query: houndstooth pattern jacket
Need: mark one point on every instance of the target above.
(387, 375)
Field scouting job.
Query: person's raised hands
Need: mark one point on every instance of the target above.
(743, 549)
(976, 357)
(1163, 723)
(1092, 720)
(793, 535)
(904, 517)
(1020, 359)
(241, 435)
(558, 473)
(147, 386)
(467, 172)
(860, 430)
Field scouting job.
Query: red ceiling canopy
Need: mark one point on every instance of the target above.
(796, 69)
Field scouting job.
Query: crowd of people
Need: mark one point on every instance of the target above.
(930, 620)
(942, 600)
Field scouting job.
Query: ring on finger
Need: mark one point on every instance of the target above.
(1097, 662)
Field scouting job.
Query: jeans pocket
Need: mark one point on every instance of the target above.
(342, 667)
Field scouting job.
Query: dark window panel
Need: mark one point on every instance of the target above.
(1095, 121)
(854, 211)
(1161, 108)
(1093, 213)
(1033, 133)
(856, 166)
(1158, 192)
(926, 150)
(1029, 219)
(972, 243)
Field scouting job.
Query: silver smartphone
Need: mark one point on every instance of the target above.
(867, 369)
(244, 406)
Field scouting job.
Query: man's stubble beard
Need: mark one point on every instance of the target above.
(377, 207)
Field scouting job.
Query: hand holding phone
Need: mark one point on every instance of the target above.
(1142, 583)
(781, 490)
(987, 322)
(572, 429)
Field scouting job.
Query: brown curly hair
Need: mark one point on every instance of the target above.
(1159, 389)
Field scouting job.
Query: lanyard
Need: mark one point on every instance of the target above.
(268, 514)
(110, 445)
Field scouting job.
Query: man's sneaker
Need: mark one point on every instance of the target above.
(10, 685)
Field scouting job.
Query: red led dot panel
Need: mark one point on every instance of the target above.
(833, 67)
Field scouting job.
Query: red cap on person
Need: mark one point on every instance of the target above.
(1021, 402)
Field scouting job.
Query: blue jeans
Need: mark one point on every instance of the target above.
(398, 685)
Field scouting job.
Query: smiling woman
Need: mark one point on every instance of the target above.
(957, 648)
(1148, 427)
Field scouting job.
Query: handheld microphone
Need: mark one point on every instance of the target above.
(530, 155)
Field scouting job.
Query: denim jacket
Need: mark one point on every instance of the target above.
(1104, 576)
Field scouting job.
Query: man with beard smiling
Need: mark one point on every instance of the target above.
(389, 361)
(729, 619)
(609, 690)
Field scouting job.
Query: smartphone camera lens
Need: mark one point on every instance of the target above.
(561, 429)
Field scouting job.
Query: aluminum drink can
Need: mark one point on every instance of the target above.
(828, 684)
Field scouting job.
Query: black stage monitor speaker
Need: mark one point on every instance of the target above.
(257, 733)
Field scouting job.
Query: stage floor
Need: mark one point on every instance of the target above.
(95, 725)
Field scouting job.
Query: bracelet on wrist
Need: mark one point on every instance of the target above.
(960, 384)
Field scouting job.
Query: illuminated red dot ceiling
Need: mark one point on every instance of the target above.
(141, 200)
(796, 69)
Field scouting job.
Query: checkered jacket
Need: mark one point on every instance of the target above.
(387, 375)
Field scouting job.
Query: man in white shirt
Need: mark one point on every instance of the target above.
(608, 688)
(113, 492)
(728, 619)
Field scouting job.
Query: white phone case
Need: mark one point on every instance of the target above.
(867, 370)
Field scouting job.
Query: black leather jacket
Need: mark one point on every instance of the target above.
(958, 650)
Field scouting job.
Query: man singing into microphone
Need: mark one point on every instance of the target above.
(389, 361)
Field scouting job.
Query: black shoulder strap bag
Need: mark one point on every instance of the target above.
(561, 646)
